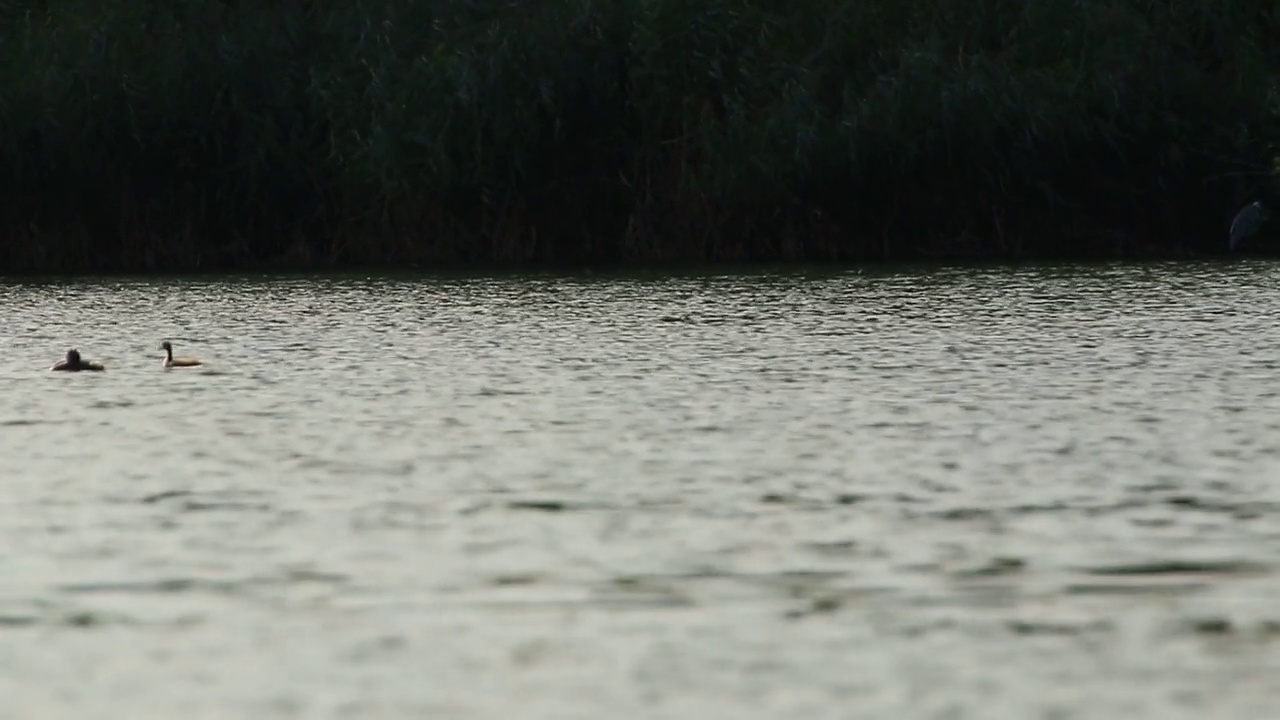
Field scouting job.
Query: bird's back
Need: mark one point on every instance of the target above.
(1246, 223)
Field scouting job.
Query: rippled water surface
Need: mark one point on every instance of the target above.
(1033, 493)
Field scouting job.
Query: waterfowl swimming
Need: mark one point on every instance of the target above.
(171, 361)
(74, 363)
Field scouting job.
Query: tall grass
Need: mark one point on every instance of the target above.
(189, 134)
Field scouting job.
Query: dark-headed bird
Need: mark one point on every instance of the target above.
(74, 363)
(170, 361)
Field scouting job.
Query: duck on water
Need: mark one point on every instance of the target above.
(74, 363)
(171, 361)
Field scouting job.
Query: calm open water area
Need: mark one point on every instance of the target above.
(1040, 492)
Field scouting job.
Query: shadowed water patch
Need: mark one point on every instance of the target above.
(165, 495)
(1169, 587)
(643, 590)
(85, 619)
(609, 603)
(552, 506)
(821, 605)
(220, 586)
(835, 548)
(1172, 576)
(1249, 508)
(111, 404)
(200, 501)
(1180, 567)
(988, 513)
(515, 579)
(1049, 627)
(1221, 627)
(347, 467)
(997, 567)
(499, 392)
(14, 620)
(213, 505)
(166, 586)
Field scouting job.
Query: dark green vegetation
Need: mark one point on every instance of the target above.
(186, 134)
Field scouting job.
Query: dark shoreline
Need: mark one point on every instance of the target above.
(647, 272)
(214, 136)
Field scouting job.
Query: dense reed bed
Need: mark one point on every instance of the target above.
(203, 134)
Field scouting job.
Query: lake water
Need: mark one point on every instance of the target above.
(973, 493)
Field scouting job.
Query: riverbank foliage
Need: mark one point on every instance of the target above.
(202, 134)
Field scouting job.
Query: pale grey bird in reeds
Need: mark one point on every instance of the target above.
(1247, 222)
(74, 363)
(170, 361)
